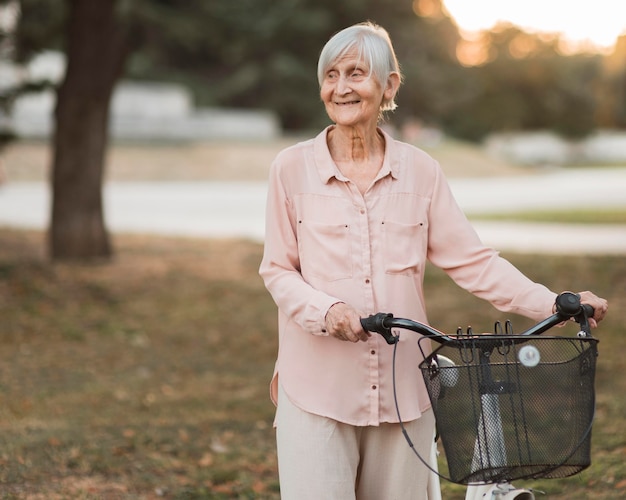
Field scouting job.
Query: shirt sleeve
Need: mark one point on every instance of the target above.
(455, 247)
(280, 266)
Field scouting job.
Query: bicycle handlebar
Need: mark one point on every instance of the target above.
(568, 306)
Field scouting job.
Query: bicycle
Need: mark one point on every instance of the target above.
(508, 406)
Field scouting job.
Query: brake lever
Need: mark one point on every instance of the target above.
(582, 318)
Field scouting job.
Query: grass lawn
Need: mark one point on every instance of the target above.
(585, 216)
(147, 377)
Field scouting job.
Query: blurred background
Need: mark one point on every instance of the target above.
(470, 70)
(136, 337)
(543, 84)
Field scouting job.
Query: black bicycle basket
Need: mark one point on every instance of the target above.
(513, 407)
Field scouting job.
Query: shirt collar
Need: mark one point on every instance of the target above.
(327, 168)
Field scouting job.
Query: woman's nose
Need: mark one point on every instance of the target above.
(343, 86)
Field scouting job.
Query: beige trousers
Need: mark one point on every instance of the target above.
(320, 458)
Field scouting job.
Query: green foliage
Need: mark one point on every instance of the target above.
(41, 26)
(541, 90)
(571, 216)
(263, 54)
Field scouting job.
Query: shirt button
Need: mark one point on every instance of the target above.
(374, 387)
(367, 281)
(362, 211)
(372, 351)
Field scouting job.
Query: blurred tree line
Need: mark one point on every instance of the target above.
(263, 54)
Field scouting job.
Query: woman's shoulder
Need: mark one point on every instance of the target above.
(303, 157)
(295, 151)
(416, 160)
(413, 151)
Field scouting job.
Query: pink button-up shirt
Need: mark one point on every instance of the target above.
(326, 243)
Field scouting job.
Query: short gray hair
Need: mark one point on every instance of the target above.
(374, 47)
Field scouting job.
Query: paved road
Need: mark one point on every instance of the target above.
(223, 209)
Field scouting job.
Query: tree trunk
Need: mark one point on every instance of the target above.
(97, 47)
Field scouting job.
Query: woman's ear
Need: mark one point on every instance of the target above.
(393, 84)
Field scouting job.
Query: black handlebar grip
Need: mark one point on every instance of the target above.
(369, 324)
(568, 304)
(589, 311)
(376, 323)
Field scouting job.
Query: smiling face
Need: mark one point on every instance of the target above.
(351, 94)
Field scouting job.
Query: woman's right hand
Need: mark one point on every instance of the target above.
(344, 323)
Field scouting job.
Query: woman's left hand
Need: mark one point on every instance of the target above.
(600, 306)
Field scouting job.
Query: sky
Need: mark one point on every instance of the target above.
(579, 21)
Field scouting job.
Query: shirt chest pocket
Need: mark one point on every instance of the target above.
(325, 250)
(405, 247)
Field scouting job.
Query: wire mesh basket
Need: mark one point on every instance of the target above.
(511, 407)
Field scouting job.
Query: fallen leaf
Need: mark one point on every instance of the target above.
(206, 460)
(183, 435)
(54, 441)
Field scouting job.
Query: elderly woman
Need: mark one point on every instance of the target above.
(352, 218)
